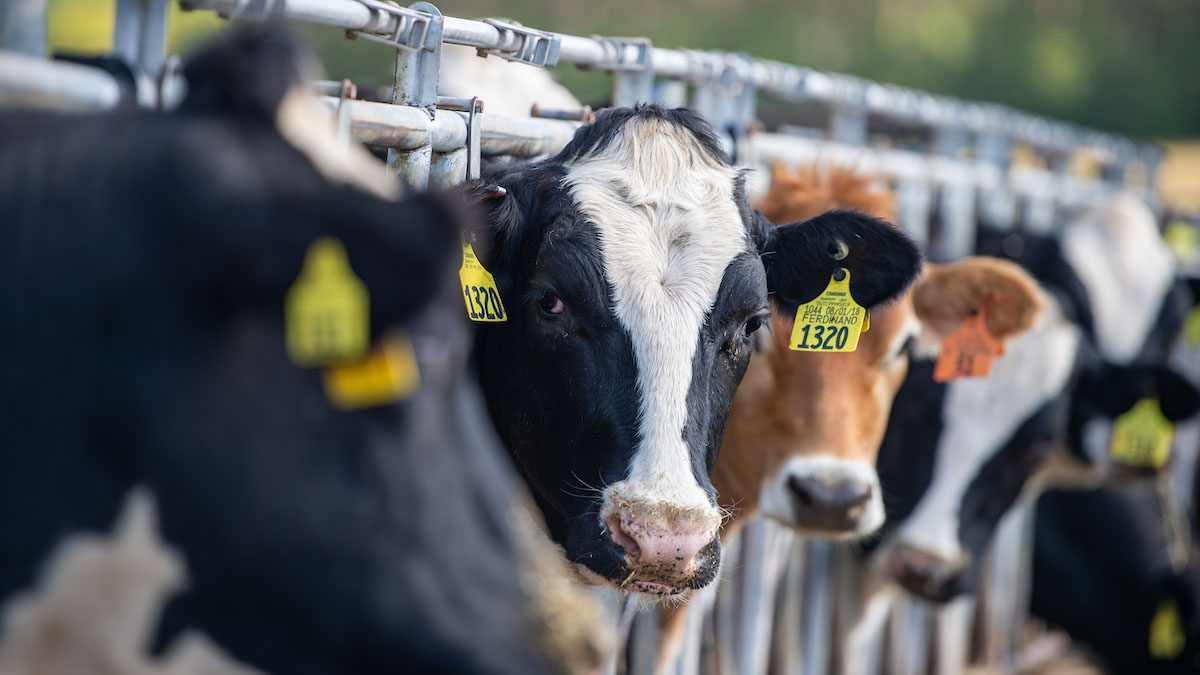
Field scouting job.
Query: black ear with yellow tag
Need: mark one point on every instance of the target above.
(800, 259)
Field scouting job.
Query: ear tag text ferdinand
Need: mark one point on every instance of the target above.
(326, 311)
(387, 375)
(1142, 436)
(479, 288)
(830, 323)
(967, 352)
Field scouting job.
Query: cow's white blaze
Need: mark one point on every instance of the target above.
(1127, 268)
(980, 416)
(668, 227)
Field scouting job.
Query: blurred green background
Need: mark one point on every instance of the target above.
(1131, 66)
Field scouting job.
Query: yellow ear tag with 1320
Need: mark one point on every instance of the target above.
(1142, 436)
(388, 374)
(830, 323)
(479, 288)
(326, 311)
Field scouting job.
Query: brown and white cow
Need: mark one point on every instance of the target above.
(805, 427)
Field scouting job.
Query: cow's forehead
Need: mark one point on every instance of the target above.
(666, 212)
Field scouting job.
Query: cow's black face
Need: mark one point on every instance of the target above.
(630, 268)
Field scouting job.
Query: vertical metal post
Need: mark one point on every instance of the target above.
(957, 198)
(1006, 584)
(914, 205)
(788, 651)
(23, 26)
(954, 624)
(140, 40)
(140, 34)
(416, 84)
(848, 124)
(1041, 211)
(909, 643)
(670, 93)
(998, 204)
(817, 635)
(636, 85)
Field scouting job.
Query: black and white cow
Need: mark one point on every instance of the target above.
(143, 273)
(956, 456)
(634, 273)
(1103, 572)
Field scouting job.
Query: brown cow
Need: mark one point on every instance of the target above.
(804, 431)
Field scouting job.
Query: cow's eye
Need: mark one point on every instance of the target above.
(752, 325)
(550, 303)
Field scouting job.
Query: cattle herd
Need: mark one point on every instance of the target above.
(250, 425)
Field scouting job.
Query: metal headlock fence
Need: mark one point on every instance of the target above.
(784, 601)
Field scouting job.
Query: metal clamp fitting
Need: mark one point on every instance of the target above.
(535, 48)
(615, 52)
(412, 30)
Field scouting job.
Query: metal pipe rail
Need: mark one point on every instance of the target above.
(33, 82)
(402, 127)
(784, 80)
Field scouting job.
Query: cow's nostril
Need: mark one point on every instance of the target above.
(802, 490)
(622, 538)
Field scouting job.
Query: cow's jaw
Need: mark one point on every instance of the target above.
(669, 227)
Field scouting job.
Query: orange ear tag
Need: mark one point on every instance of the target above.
(967, 352)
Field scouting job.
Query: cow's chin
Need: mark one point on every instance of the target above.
(644, 589)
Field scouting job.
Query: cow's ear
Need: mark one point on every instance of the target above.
(800, 258)
(946, 294)
(501, 214)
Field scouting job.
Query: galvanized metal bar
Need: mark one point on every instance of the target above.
(1006, 584)
(33, 82)
(953, 637)
(787, 650)
(817, 635)
(23, 26)
(787, 81)
(416, 84)
(909, 643)
(863, 647)
(957, 196)
(140, 34)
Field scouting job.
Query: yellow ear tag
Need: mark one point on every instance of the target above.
(1191, 328)
(1183, 240)
(1142, 436)
(479, 288)
(387, 375)
(1167, 639)
(326, 309)
(830, 323)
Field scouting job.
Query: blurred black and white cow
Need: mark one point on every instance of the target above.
(634, 273)
(143, 273)
(1103, 571)
(956, 456)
